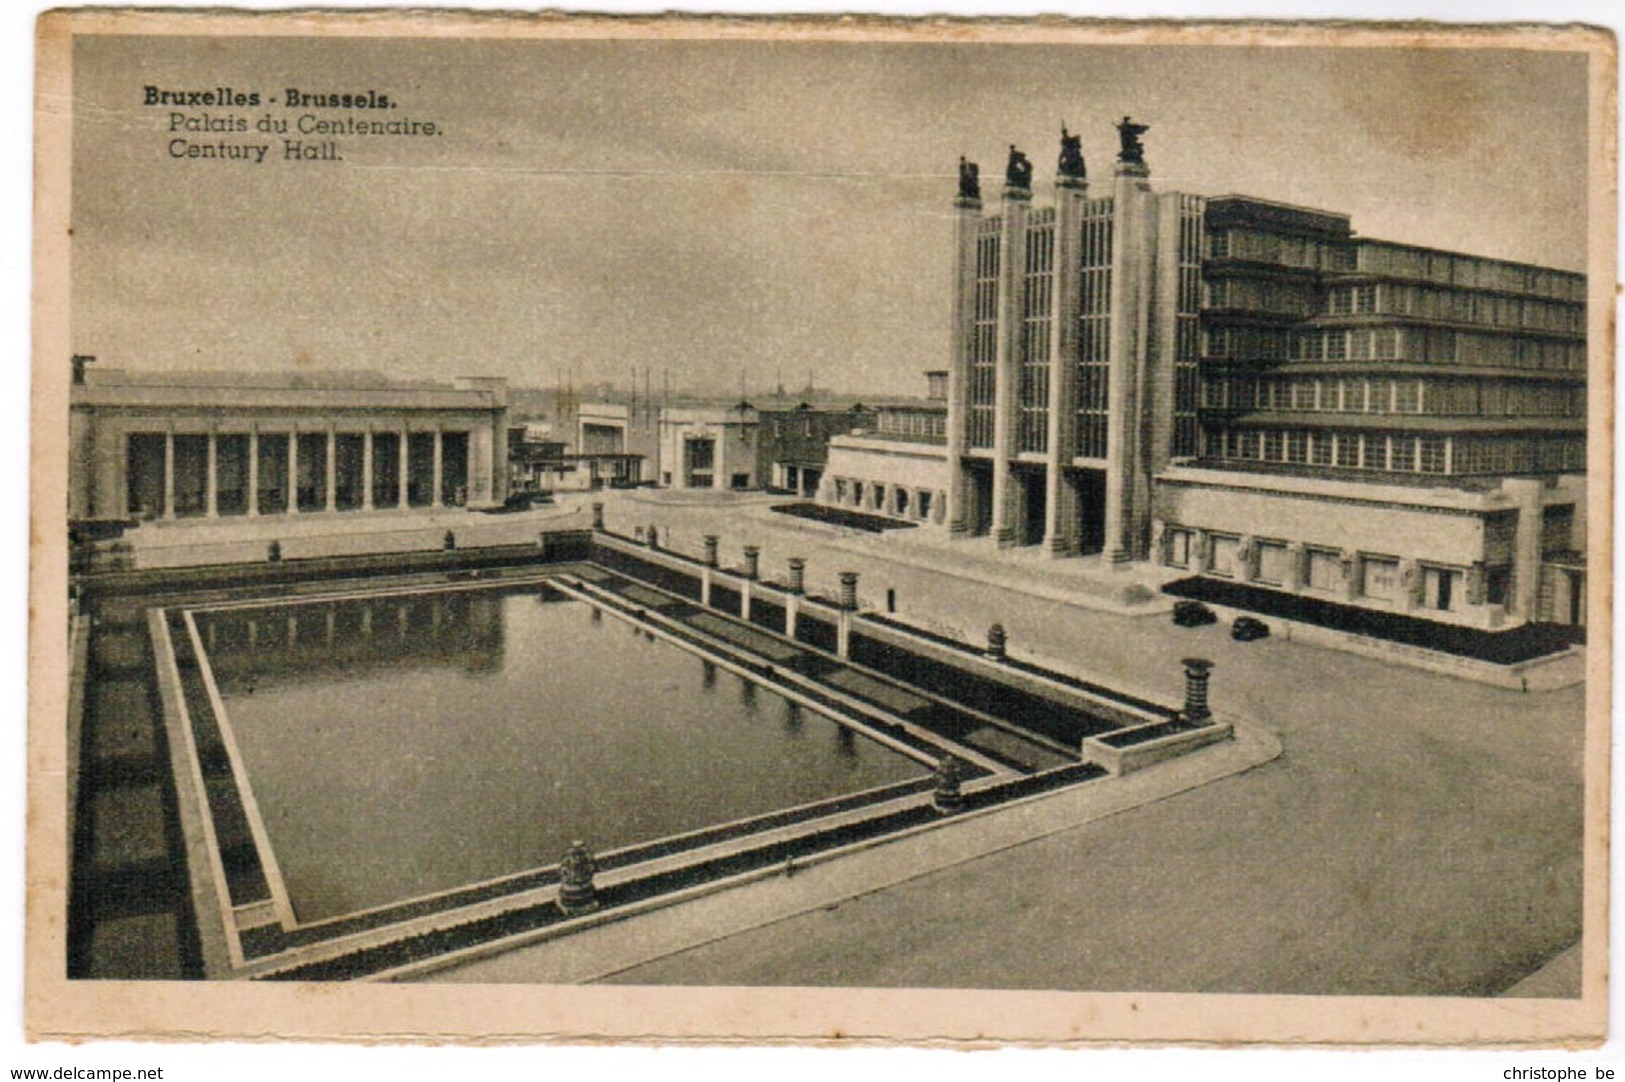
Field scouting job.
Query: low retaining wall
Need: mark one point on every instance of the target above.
(1538, 674)
(1547, 673)
(1118, 757)
(1121, 711)
(559, 547)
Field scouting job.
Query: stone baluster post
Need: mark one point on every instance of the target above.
(577, 895)
(708, 569)
(747, 579)
(1197, 671)
(849, 605)
(792, 601)
(849, 590)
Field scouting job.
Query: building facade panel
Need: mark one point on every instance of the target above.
(906, 480)
(165, 452)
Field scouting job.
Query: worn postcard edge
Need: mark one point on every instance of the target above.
(56, 1008)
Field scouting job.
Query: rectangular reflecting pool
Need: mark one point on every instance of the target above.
(399, 745)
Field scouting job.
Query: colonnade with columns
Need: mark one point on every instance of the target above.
(271, 469)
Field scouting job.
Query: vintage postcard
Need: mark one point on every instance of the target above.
(942, 531)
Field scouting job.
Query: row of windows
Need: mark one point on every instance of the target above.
(1040, 248)
(1399, 453)
(1424, 345)
(1094, 331)
(1246, 343)
(1272, 562)
(983, 345)
(1187, 328)
(1434, 397)
(1307, 252)
(1518, 454)
(1293, 299)
(917, 424)
(1347, 450)
(1032, 388)
(1355, 344)
(898, 500)
(1467, 271)
(1367, 257)
(1455, 306)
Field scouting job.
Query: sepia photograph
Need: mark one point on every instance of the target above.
(815, 529)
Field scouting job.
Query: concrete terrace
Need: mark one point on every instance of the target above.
(1420, 833)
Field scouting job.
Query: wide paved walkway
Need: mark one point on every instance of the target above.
(1420, 834)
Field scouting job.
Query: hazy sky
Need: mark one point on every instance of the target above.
(714, 208)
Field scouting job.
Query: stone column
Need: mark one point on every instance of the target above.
(211, 489)
(1012, 297)
(482, 466)
(1525, 596)
(331, 482)
(405, 460)
(169, 473)
(1196, 679)
(366, 469)
(1161, 359)
(1410, 585)
(1246, 559)
(1297, 562)
(293, 471)
(439, 498)
(968, 218)
(753, 555)
(1352, 574)
(1202, 554)
(1133, 245)
(253, 471)
(798, 575)
(711, 540)
(1475, 584)
(1060, 498)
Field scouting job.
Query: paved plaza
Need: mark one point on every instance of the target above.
(1420, 834)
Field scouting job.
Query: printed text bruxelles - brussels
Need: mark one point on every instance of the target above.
(292, 97)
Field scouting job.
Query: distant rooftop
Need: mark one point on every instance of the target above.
(114, 387)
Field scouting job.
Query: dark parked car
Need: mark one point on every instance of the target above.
(1192, 614)
(1246, 629)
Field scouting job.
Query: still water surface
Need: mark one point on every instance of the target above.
(401, 745)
